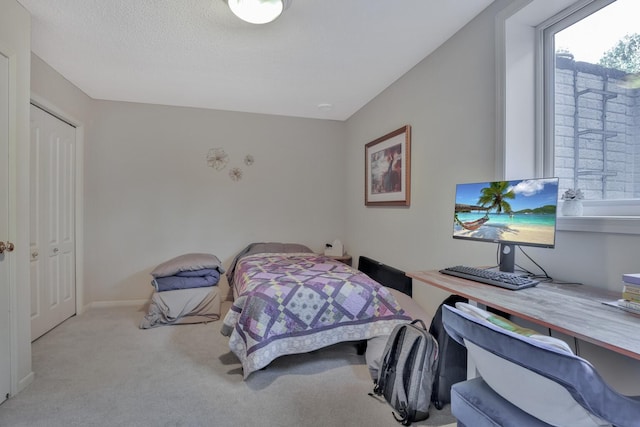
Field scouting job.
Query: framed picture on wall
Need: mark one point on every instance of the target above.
(387, 169)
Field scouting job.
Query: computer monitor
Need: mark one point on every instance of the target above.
(510, 213)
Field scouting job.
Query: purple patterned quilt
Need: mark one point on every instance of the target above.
(295, 303)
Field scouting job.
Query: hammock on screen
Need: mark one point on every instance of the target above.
(472, 225)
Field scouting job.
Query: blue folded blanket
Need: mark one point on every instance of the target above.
(187, 280)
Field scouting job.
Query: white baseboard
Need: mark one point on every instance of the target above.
(24, 382)
(123, 303)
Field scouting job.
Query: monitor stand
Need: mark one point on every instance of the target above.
(507, 259)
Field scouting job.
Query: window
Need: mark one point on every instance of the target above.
(591, 103)
(526, 119)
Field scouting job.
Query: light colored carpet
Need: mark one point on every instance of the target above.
(99, 369)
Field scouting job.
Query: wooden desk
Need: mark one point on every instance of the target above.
(576, 310)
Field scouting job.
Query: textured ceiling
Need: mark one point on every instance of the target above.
(196, 53)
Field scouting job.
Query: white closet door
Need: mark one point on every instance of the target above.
(52, 222)
(5, 335)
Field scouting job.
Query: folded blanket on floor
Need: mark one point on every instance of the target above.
(187, 280)
(182, 306)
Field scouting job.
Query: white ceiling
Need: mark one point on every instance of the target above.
(196, 53)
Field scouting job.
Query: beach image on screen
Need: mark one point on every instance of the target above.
(520, 211)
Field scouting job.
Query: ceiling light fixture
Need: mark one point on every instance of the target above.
(258, 11)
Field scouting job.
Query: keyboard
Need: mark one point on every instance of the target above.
(491, 277)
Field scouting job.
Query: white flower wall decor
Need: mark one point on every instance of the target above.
(235, 174)
(217, 158)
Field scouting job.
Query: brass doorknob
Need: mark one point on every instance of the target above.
(10, 247)
(2, 247)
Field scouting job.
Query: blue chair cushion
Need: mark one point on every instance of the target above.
(475, 404)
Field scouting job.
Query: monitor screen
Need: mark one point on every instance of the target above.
(518, 212)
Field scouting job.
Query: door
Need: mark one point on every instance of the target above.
(5, 336)
(52, 221)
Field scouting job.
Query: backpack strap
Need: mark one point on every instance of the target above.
(388, 358)
(421, 323)
(398, 387)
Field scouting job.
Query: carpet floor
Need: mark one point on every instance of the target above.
(100, 369)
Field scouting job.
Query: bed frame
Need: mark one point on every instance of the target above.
(386, 275)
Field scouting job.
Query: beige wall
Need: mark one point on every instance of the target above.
(449, 100)
(48, 85)
(150, 196)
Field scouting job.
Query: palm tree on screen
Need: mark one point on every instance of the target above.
(495, 196)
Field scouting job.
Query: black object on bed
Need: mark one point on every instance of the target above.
(386, 275)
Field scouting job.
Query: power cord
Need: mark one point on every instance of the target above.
(545, 276)
(542, 277)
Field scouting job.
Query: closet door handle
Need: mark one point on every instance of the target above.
(2, 247)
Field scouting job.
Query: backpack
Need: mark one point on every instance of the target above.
(407, 371)
(452, 360)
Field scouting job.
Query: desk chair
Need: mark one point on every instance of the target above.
(525, 381)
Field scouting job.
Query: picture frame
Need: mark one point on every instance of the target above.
(388, 169)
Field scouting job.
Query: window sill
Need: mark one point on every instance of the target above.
(600, 224)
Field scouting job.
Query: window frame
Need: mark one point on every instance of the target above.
(528, 20)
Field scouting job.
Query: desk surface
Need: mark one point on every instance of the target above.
(576, 310)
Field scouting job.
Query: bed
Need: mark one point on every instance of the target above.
(289, 300)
